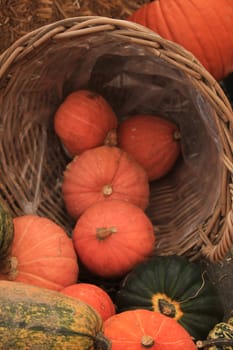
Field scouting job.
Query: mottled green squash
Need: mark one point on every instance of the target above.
(222, 332)
(6, 231)
(175, 287)
(33, 318)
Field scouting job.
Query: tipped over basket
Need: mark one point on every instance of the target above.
(137, 71)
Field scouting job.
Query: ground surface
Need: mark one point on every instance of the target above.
(221, 274)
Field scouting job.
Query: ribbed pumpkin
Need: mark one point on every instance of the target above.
(176, 288)
(85, 120)
(103, 173)
(41, 254)
(204, 27)
(94, 296)
(37, 318)
(111, 237)
(153, 141)
(6, 231)
(144, 329)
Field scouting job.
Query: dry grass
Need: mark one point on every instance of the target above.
(18, 17)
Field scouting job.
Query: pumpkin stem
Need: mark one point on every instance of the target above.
(104, 232)
(9, 268)
(147, 341)
(167, 308)
(107, 190)
(101, 342)
(177, 135)
(111, 138)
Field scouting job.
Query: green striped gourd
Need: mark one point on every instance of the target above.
(222, 332)
(6, 231)
(34, 318)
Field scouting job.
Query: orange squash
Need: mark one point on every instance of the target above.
(144, 329)
(41, 254)
(111, 237)
(204, 27)
(85, 120)
(103, 173)
(153, 141)
(94, 296)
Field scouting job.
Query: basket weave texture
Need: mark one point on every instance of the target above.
(37, 71)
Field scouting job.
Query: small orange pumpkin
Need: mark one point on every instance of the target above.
(103, 173)
(94, 296)
(144, 329)
(41, 254)
(152, 141)
(85, 120)
(111, 237)
(203, 27)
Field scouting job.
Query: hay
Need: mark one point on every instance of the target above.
(20, 17)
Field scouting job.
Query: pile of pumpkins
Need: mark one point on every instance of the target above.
(163, 302)
(106, 184)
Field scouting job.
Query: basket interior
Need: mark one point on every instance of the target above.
(133, 80)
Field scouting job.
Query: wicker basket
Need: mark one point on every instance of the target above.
(137, 71)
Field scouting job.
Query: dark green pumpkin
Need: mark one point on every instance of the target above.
(175, 287)
(6, 231)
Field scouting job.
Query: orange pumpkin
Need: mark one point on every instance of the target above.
(85, 120)
(152, 141)
(204, 27)
(103, 173)
(41, 254)
(94, 296)
(111, 237)
(144, 329)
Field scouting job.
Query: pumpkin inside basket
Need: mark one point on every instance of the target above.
(137, 71)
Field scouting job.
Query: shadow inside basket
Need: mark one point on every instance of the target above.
(133, 80)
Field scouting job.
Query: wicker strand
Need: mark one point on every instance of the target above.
(218, 252)
(63, 29)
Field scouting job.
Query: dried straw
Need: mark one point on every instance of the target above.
(20, 17)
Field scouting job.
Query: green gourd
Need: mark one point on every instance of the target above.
(36, 318)
(176, 288)
(6, 231)
(220, 337)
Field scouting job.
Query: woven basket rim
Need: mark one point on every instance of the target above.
(77, 26)
(74, 27)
